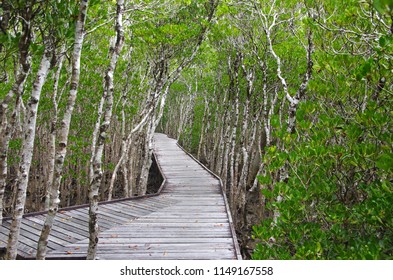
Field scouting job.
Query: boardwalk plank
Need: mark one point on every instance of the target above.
(60, 233)
(34, 229)
(164, 240)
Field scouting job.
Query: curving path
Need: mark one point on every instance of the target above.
(189, 219)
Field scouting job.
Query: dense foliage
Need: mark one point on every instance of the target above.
(335, 203)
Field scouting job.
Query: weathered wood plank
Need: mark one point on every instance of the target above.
(158, 224)
(81, 217)
(164, 240)
(151, 232)
(25, 240)
(111, 217)
(145, 207)
(82, 246)
(59, 239)
(120, 212)
(167, 256)
(137, 211)
(67, 226)
(74, 219)
(152, 256)
(174, 235)
(181, 222)
(58, 232)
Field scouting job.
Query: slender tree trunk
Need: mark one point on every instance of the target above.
(148, 150)
(95, 137)
(53, 131)
(208, 143)
(6, 15)
(225, 148)
(64, 131)
(246, 143)
(232, 182)
(128, 142)
(204, 120)
(97, 163)
(267, 115)
(27, 153)
(123, 149)
(16, 90)
(5, 140)
(221, 141)
(162, 106)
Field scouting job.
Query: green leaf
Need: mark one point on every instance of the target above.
(383, 6)
(366, 68)
(264, 180)
(385, 162)
(382, 41)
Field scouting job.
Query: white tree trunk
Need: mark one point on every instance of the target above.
(202, 135)
(148, 150)
(224, 154)
(220, 143)
(246, 144)
(53, 131)
(24, 67)
(128, 142)
(232, 182)
(97, 162)
(95, 136)
(27, 153)
(123, 149)
(64, 131)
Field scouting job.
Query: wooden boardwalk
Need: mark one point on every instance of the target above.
(188, 219)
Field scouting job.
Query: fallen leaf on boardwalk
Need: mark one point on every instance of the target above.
(165, 253)
(114, 235)
(77, 248)
(69, 253)
(62, 212)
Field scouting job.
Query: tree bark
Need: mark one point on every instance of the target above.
(53, 131)
(202, 136)
(16, 90)
(234, 87)
(64, 131)
(246, 143)
(105, 124)
(27, 153)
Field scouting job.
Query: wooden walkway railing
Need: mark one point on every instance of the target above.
(189, 219)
